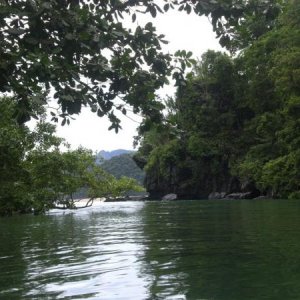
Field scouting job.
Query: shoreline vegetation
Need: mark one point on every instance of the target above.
(232, 129)
(86, 202)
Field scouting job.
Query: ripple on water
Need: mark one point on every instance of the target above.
(142, 251)
(100, 262)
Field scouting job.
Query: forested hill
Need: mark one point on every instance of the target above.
(118, 166)
(123, 165)
(109, 154)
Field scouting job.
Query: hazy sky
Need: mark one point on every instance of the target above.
(188, 32)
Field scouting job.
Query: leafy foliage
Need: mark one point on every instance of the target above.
(14, 141)
(235, 122)
(36, 175)
(83, 52)
(272, 66)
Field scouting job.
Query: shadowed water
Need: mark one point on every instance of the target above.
(233, 250)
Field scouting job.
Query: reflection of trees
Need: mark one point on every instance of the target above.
(222, 250)
(88, 253)
(12, 266)
(238, 250)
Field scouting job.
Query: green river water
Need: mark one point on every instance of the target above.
(213, 250)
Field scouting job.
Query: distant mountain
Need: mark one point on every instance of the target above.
(118, 163)
(123, 165)
(106, 155)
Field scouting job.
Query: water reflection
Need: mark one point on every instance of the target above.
(79, 255)
(223, 250)
(235, 250)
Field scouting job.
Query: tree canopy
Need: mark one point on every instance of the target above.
(234, 125)
(36, 175)
(82, 51)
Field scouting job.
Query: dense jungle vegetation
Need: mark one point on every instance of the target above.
(37, 175)
(233, 124)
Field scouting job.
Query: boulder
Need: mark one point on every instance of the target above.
(261, 198)
(216, 195)
(169, 197)
(239, 196)
(138, 198)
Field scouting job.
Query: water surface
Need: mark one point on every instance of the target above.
(216, 250)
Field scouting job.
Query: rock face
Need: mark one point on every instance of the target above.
(183, 183)
(247, 195)
(262, 198)
(216, 195)
(169, 197)
(192, 181)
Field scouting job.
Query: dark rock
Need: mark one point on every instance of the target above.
(249, 187)
(247, 195)
(186, 184)
(261, 198)
(233, 185)
(216, 195)
(138, 198)
(143, 197)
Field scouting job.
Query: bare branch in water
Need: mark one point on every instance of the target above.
(88, 204)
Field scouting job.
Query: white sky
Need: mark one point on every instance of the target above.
(184, 32)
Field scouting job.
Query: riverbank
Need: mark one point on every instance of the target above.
(84, 202)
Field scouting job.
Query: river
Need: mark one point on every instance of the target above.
(195, 250)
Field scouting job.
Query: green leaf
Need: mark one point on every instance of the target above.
(31, 40)
(188, 8)
(100, 113)
(69, 36)
(15, 31)
(153, 11)
(133, 17)
(46, 5)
